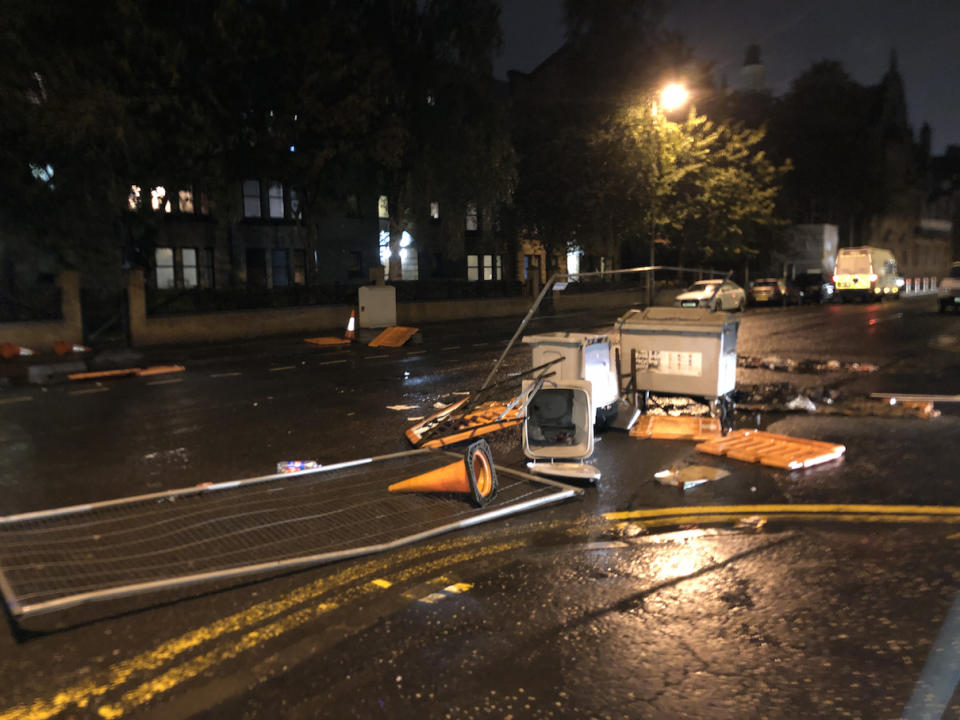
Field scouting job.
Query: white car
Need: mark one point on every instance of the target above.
(721, 295)
(948, 294)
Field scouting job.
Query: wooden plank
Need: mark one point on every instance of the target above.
(773, 449)
(160, 370)
(666, 427)
(395, 336)
(327, 341)
(104, 374)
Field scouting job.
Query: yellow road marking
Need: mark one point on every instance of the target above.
(939, 510)
(380, 582)
(196, 665)
(458, 588)
(82, 693)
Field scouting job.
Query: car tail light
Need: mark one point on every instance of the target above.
(873, 277)
(834, 278)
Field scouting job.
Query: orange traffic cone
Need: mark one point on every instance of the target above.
(62, 347)
(475, 474)
(10, 351)
(351, 332)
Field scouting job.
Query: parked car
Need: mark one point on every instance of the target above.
(816, 288)
(948, 294)
(723, 295)
(773, 291)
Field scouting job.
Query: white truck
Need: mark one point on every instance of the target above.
(866, 273)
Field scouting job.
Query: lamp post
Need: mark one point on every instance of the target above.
(672, 97)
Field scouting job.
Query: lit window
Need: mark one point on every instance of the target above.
(163, 258)
(406, 239)
(385, 250)
(186, 201)
(251, 198)
(499, 275)
(189, 257)
(281, 268)
(157, 196)
(383, 208)
(275, 193)
(488, 267)
(299, 267)
(472, 219)
(434, 211)
(473, 267)
(43, 173)
(133, 199)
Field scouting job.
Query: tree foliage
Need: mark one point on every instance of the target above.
(332, 97)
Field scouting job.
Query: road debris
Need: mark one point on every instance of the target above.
(665, 427)
(399, 408)
(807, 367)
(395, 336)
(689, 476)
(802, 402)
(292, 466)
(754, 522)
(766, 448)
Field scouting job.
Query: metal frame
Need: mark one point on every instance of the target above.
(19, 610)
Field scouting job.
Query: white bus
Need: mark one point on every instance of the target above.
(866, 273)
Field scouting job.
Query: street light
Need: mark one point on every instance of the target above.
(672, 97)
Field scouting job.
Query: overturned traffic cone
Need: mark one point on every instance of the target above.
(475, 475)
(351, 332)
(62, 347)
(10, 351)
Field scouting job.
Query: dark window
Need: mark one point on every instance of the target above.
(207, 273)
(251, 198)
(281, 268)
(256, 268)
(355, 269)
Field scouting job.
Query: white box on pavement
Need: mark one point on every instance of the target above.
(686, 351)
(378, 306)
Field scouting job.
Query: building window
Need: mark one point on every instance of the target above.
(163, 259)
(133, 199)
(158, 199)
(207, 272)
(355, 269)
(383, 208)
(256, 268)
(299, 267)
(473, 222)
(275, 194)
(294, 204)
(188, 257)
(251, 198)
(281, 268)
(204, 204)
(434, 211)
(484, 267)
(186, 201)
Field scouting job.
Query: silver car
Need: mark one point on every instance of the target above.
(722, 295)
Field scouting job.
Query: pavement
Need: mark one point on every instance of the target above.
(565, 612)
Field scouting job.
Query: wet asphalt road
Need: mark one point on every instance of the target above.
(557, 613)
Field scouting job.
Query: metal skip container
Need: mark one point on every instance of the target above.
(682, 351)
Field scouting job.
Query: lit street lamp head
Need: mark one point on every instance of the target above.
(673, 96)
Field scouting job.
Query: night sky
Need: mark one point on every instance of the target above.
(792, 36)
